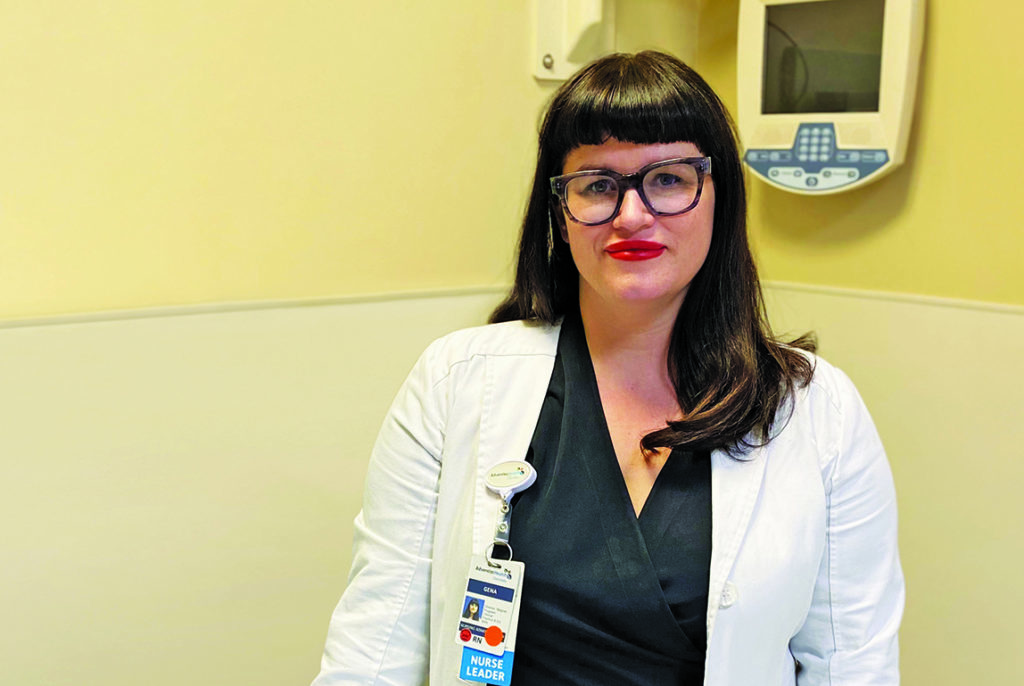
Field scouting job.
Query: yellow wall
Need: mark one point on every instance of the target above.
(218, 151)
(948, 223)
(169, 153)
(176, 153)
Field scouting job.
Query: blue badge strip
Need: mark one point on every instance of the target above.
(490, 590)
(486, 669)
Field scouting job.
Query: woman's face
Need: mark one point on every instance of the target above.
(674, 248)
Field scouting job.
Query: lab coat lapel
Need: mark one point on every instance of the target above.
(735, 484)
(506, 427)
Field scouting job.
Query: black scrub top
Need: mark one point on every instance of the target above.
(607, 597)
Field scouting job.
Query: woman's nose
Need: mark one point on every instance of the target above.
(633, 213)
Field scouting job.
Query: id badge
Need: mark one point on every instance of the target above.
(487, 627)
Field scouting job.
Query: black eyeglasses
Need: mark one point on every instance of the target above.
(667, 188)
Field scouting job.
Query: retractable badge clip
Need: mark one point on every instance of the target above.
(506, 479)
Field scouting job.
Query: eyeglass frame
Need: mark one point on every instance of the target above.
(625, 182)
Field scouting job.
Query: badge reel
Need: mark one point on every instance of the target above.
(507, 479)
(490, 606)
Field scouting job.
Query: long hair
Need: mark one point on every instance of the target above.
(730, 374)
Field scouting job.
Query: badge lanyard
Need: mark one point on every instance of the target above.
(490, 607)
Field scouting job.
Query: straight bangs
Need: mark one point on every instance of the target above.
(637, 100)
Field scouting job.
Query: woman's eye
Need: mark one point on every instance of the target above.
(664, 180)
(599, 187)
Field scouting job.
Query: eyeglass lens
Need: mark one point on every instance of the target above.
(670, 189)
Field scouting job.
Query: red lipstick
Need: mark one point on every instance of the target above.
(633, 251)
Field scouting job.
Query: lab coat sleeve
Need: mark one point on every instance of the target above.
(850, 634)
(379, 632)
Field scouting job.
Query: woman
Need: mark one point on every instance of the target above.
(711, 506)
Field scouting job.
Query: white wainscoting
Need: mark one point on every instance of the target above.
(177, 489)
(177, 486)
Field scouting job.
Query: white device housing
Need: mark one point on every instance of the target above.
(791, 145)
(570, 33)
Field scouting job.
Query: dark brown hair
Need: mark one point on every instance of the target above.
(730, 374)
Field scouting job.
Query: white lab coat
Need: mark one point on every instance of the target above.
(804, 560)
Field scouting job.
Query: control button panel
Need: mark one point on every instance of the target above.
(826, 179)
(815, 163)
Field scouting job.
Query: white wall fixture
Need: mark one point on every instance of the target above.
(826, 89)
(570, 33)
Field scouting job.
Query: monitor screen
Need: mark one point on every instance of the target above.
(822, 56)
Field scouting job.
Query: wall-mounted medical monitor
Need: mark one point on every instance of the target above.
(826, 89)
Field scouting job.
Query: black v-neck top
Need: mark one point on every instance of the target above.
(608, 598)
